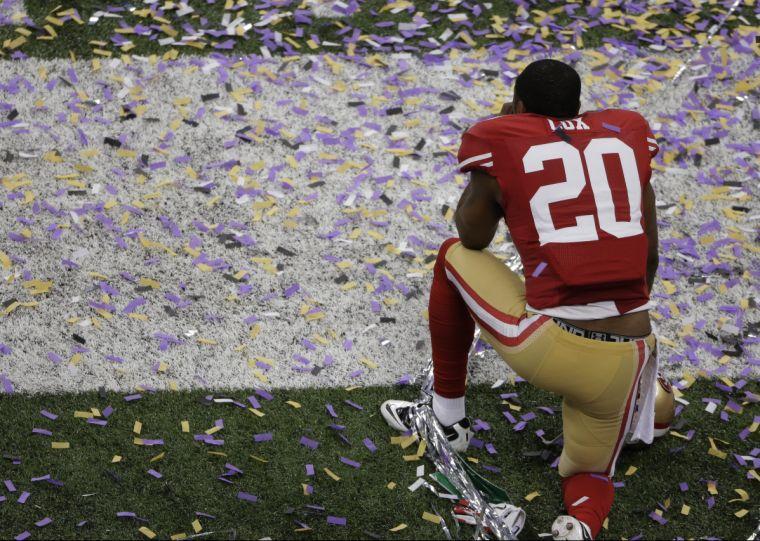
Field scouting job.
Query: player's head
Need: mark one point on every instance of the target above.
(548, 87)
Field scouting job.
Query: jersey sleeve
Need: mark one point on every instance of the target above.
(475, 154)
(652, 145)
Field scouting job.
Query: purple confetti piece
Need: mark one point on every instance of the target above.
(311, 444)
(245, 496)
(657, 518)
(7, 384)
(369, 444)
(336, 521)
(539, 269)
(349, 462)
(51, 416)
(354, 405)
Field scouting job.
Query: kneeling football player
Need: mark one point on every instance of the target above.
(575, 192)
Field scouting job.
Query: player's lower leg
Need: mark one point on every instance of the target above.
(451, 335)
(588, 498)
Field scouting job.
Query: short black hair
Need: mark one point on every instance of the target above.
(550, 88)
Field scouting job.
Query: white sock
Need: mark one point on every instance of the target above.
(448, 410)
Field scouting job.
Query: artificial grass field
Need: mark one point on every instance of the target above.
(95, 489)
(82, 39)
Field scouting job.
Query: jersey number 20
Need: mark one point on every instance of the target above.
(584, 228)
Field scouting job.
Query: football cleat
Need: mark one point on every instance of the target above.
(396, 414)
(567, 528)
(664, 406)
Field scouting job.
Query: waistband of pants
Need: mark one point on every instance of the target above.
(594, 335)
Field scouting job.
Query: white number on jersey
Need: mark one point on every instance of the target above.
(571, 188)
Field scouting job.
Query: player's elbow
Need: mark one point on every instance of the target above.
(473, 244)
(471, 238)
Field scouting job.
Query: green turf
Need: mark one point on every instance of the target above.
(95, 489)
(76, 38)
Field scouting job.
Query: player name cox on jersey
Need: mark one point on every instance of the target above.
(574, 124)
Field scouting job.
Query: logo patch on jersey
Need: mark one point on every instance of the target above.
(574, 124)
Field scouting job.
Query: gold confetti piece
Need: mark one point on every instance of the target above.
(711, 488)
(421, 448)
(685, 509)
(411, 458)
(83, 414)
(5, 260)
(60, 445)
(740, 513)
(714, 451)
(137, 428)
(631, 470)
(743, 496)
(331, 474)
(147, 532)
(430, 517)
(256, 412)
(296, 405)
(17, 304)
(533, 495)
(258, 458)
(147, 282)
(115, 459)
(368, 363)
(398, 528)
(185, 426)
(197, 528)
(158, 457)
(406, 441)
(37, 287)
(216, 453)
(391, 485)
(178, 536)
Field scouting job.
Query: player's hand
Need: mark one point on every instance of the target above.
(508, 108)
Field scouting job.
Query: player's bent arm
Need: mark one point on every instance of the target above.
(479, 211)
(650, 229)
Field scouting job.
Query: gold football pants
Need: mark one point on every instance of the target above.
(597, 380)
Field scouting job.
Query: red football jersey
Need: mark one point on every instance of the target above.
(572, 196)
